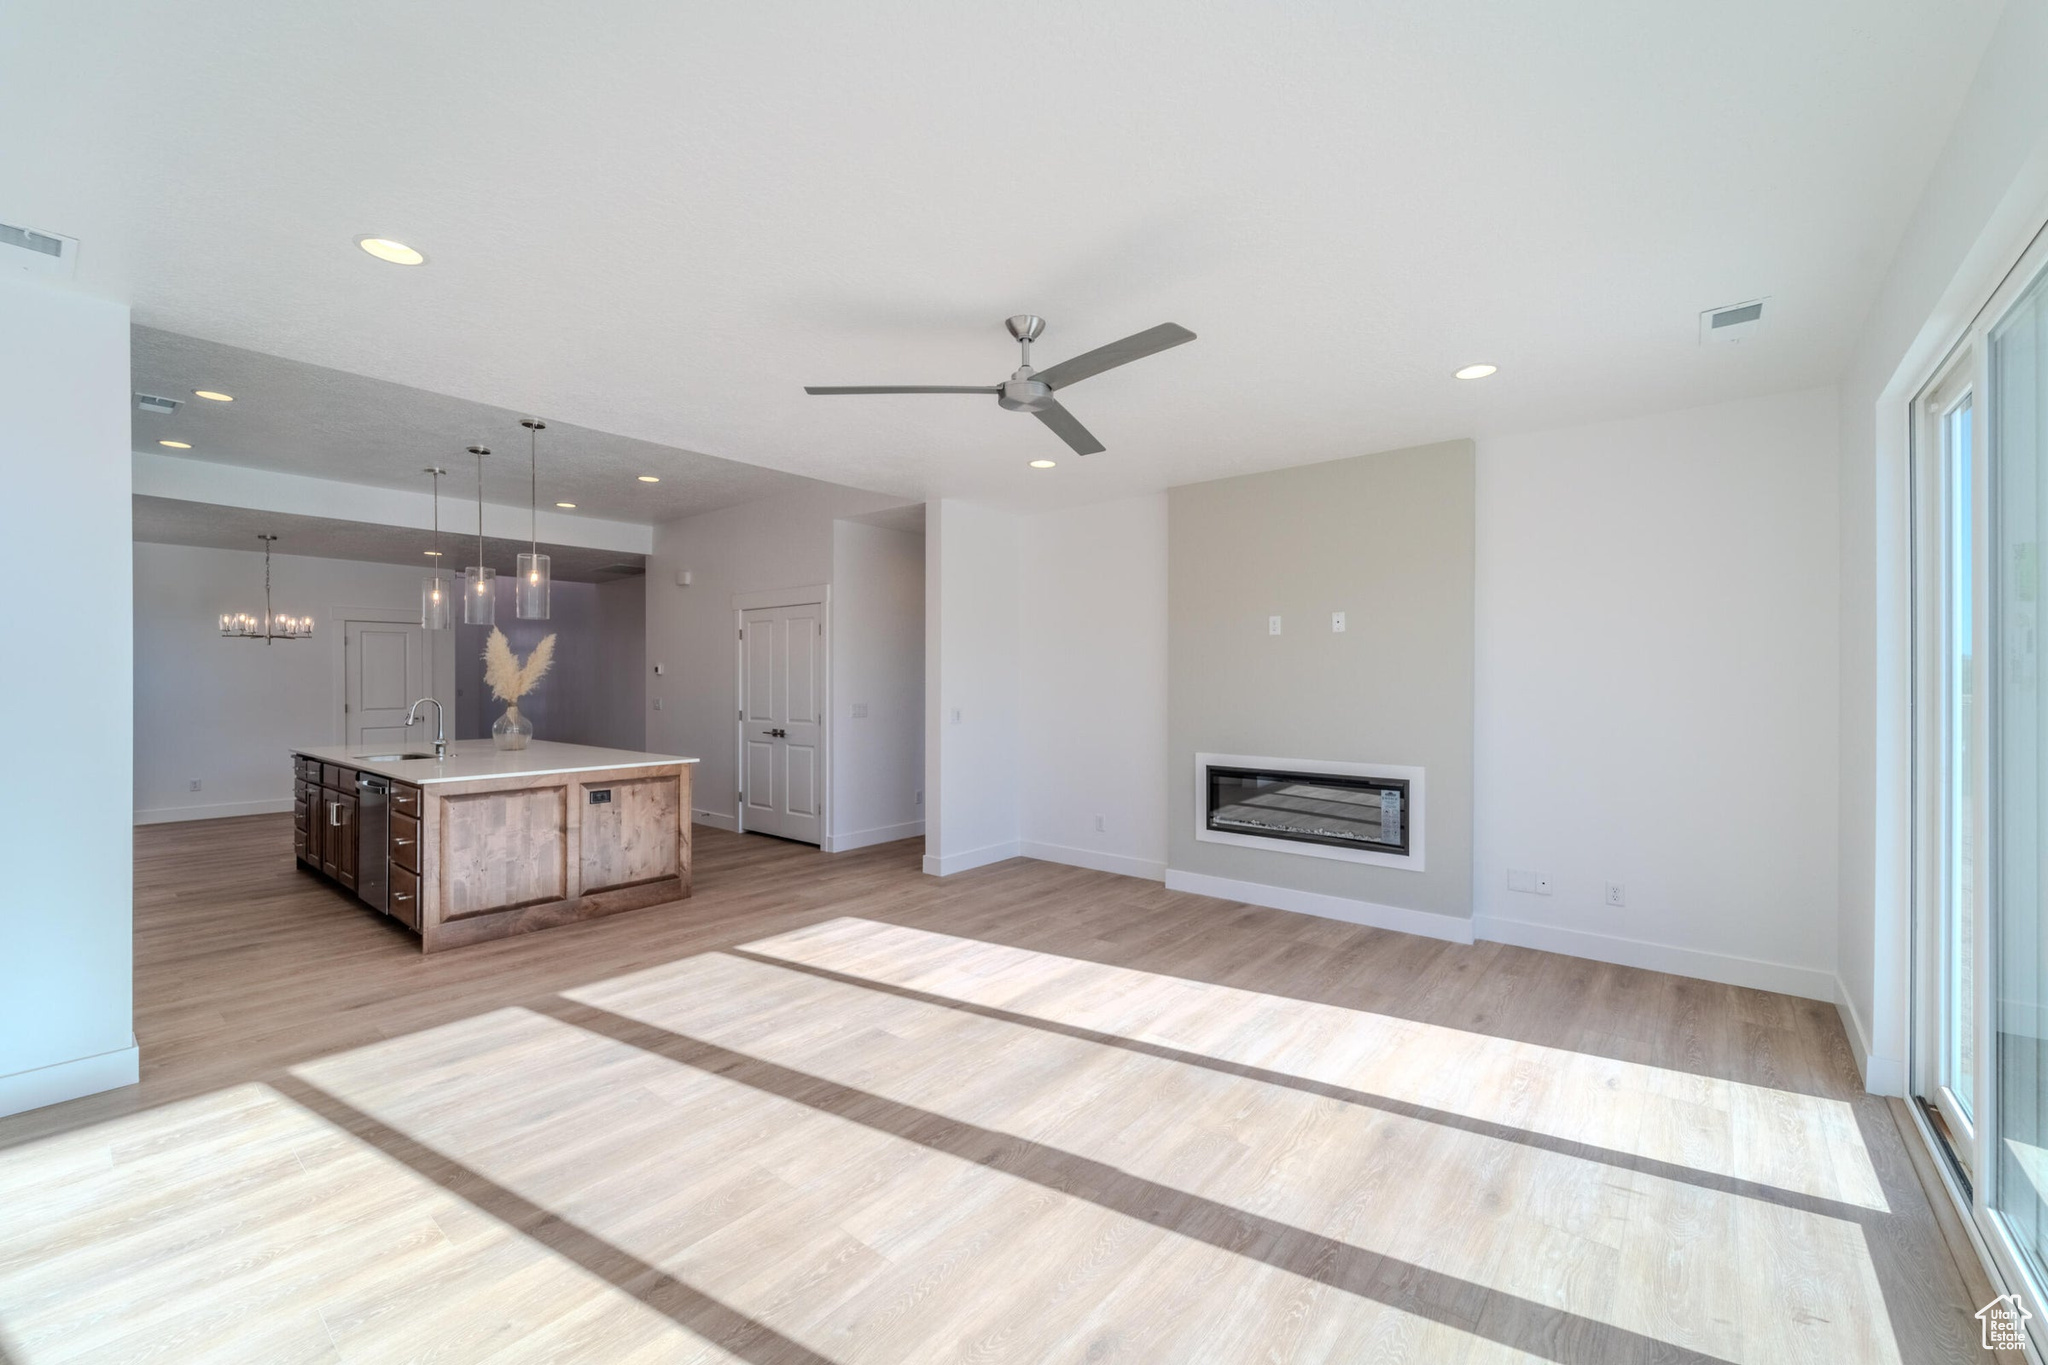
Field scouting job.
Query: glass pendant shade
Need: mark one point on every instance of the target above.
(479, 595)
(530, 601)
(434, 595)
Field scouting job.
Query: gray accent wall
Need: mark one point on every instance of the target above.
(1388, 540)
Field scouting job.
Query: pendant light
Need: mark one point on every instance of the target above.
(530, 597)
(480, 580)
(242, 626)
(434, 588)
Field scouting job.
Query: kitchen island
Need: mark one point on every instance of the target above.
(489, 842)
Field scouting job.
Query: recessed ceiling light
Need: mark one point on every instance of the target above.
(384, 249)
(1475, 372)
(176, 445)
(216, 397)
(649, 478)
(565, 504)
(1044, 464)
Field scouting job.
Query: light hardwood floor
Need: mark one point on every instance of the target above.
(831, 1110)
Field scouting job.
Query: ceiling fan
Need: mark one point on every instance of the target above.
(1031, 390)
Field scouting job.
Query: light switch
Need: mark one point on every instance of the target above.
(1272, 625)
(860, 710)
(1336, 623)
(657, 703)
(956, 715)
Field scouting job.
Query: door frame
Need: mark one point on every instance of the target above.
(1967, 352)
(337, 653)
(819, 596)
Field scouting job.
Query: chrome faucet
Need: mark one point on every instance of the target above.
(440, 733)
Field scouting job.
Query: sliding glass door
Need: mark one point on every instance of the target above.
(1980, 1002)
(2017, 375)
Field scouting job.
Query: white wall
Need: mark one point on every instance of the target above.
(877, 666)
(593, 693)
(67, 910)
(1092, 669)
(1656, 690)
(1987, 196)
(224, 713)
(972, 659)
(783, 542)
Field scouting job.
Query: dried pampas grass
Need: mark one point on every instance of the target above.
(508, 679)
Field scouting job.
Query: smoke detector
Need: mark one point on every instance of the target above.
(1735, 322)
(162, 407)
(38, 253)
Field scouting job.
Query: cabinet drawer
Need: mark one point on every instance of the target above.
(405, 800)
(299, 843)
(405, 842)
(307, 769)
(405, 897)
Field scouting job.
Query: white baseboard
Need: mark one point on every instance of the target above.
(1809, 982)
(711, 819)
(225, 810)
(1370, 913)
(1881, 1075)
(867, 838)
(1089, 858)
(25, 1090)
(972, 858)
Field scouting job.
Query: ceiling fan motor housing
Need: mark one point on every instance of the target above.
(1025, 395)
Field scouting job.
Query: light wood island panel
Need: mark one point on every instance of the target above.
(508, 853)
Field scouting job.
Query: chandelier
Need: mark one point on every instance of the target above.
(270, 626)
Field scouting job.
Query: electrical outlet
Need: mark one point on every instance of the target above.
(1100, 826)
(860, 710)
(1336, 623)
(1272, 625)
(920, 796)
(1617, 894)
(195, 784)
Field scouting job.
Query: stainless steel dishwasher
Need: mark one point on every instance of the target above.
(373, 840)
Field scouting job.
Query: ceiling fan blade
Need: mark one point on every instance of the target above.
(1065, 427)
(1151, 341)
(899, 388)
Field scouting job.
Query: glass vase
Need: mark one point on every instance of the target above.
(511, 730)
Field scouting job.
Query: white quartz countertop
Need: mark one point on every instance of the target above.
(474, 758)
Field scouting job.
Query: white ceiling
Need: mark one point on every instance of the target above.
(308, 419)
(662, 219)
(174, 521)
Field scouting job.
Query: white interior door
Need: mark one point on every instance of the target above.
(782, 721)
(384, 664)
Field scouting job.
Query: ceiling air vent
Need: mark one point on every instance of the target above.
(1736, 322)
(163, 407)
(39, 253)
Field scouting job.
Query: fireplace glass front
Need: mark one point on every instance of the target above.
(1369, 813)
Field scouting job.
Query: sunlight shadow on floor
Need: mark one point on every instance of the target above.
(239, 1226)
(872, 1232)
(1526, 1224)
(1778, 1138)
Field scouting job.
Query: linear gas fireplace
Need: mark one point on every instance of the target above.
(1359, 812)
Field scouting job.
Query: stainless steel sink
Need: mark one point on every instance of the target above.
(388, 758)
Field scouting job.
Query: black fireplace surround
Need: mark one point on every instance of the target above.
(1366, 813)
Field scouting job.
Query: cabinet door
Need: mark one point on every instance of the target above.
(347, 856)
(326, 811)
